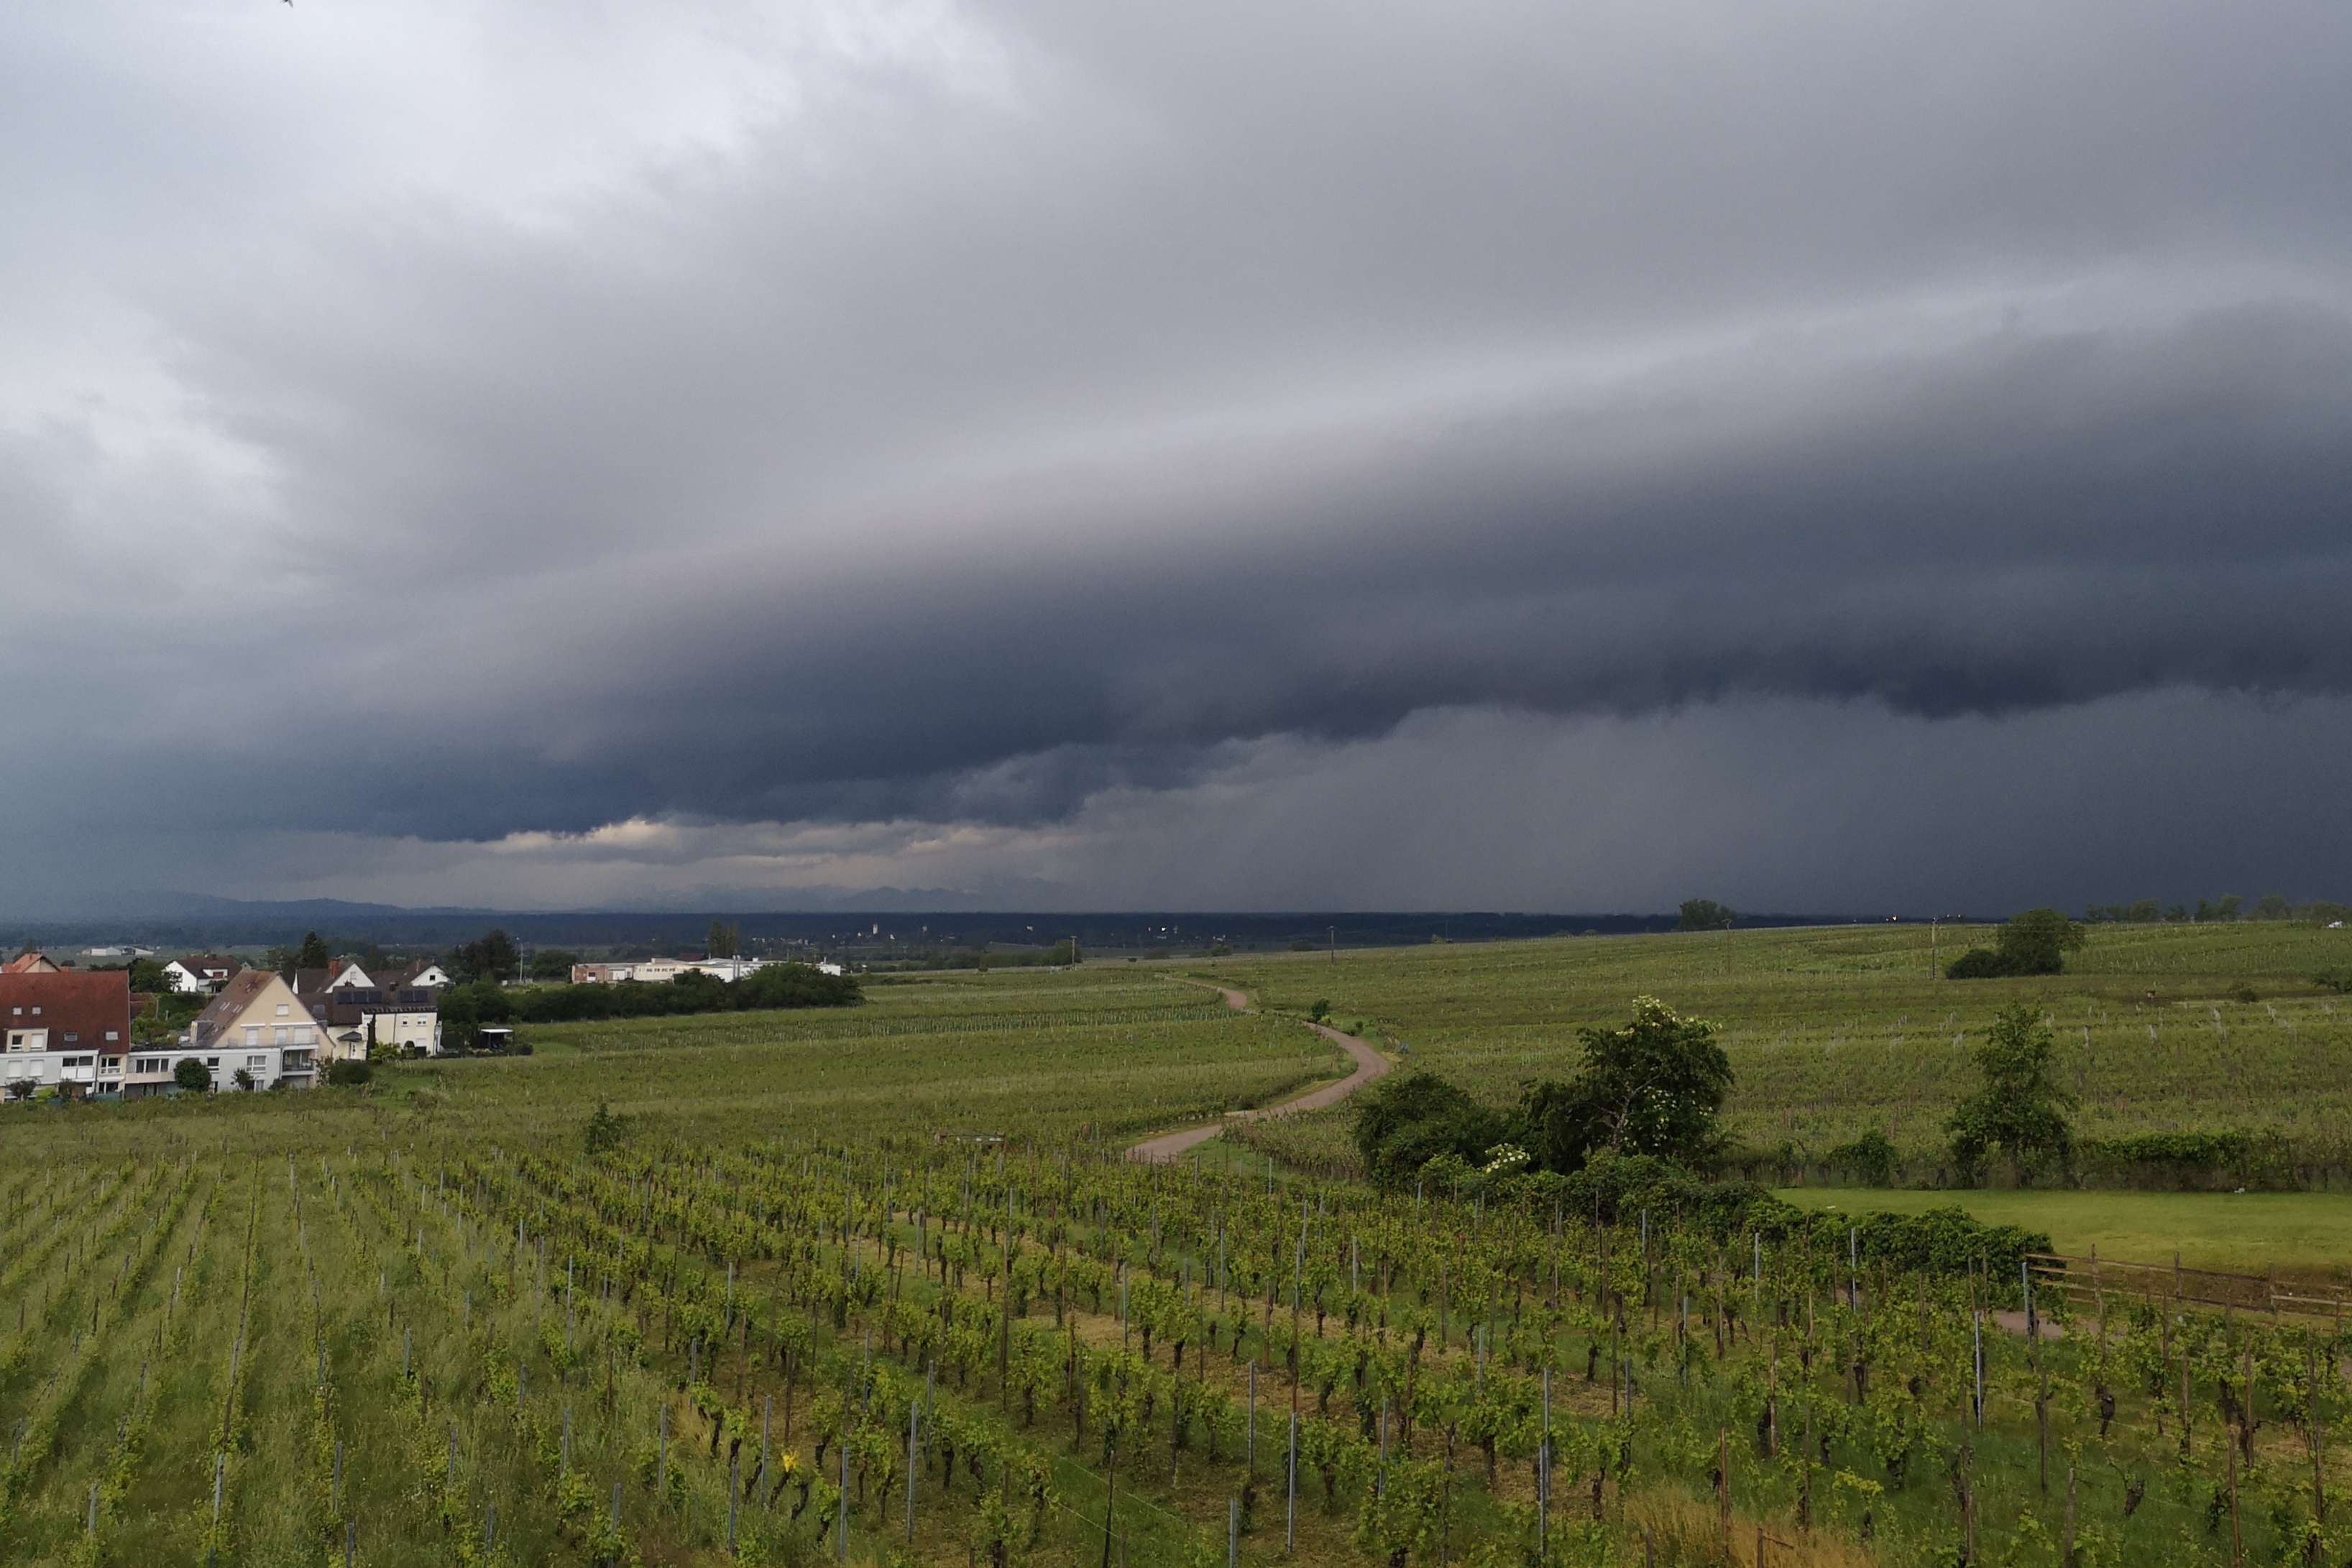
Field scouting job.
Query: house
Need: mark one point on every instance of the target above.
(354, 1011)
(63, 1030)
(200, 972)
(426, 975)
(257, 1026)
(28, 962)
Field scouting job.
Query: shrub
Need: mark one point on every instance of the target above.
(1408, 1119)
(349, 1074)
(1869, 1156)
(2033, 942)
(192, 1075)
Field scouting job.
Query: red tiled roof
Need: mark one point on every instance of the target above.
(85, 1004)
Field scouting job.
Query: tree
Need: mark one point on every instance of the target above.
(2273, 906)
(2022, 1109)
(604, 1131)
(313, 953)
(490, 957)
(146, 975)
(726, 939)
(349, 1074)
(552, 963)
(1652, 1086)
(2033, 942)
(1706, 915)
(465, 1009)
(243, 1079)
(1408, 1119)
(192, 1075)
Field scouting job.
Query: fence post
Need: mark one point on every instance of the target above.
(1290, 1525)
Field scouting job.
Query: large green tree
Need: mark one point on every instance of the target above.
(2033, 942)
(491, 957)
(2023, 1111)
(552, 963)
(1653, 1085)
(1706, 915)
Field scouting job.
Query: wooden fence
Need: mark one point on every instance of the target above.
(2088, 1280)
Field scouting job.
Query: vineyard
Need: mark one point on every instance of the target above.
(941, 1349)
(879, 1287)
(1836, 1031)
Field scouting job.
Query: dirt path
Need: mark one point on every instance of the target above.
(1370, 1064)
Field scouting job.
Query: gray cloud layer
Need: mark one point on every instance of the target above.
(441, 427)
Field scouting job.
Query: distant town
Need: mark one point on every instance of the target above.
(125, 1022)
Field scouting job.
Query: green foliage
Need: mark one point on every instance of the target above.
(2193, 1159)
(147, 975)
(1706, 915)
(604, 1131)
(1408, 1119)
(490, 957)
(313, 953)
(726, 940)
(190, 1075)
(1869, 1156)
(349, 1074)
(2033, 942)
(552, 963)
(2021, 1109)
(774, 986)
(1654, 1085)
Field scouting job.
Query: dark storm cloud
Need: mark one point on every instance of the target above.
(957, 413)
(2025, 523)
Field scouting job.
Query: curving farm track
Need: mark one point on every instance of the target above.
(1370, 1064)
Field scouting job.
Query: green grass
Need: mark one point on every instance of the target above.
(2302, 1232)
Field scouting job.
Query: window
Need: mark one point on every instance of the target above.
(72, 1039)
(212, 1061)
(301, 1036)
(113, 1035)
(278, 1036)
(36, 1013)
(282, 1010)
(253, 1034)
(257, 1061)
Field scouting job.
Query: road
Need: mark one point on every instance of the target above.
(1370, 1064)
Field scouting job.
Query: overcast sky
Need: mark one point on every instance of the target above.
(1487, 454)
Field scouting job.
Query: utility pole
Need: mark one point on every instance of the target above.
(1335, 944)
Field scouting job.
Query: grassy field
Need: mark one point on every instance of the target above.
(1833, 1031)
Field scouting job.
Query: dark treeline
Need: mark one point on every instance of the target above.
(465, 1009)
